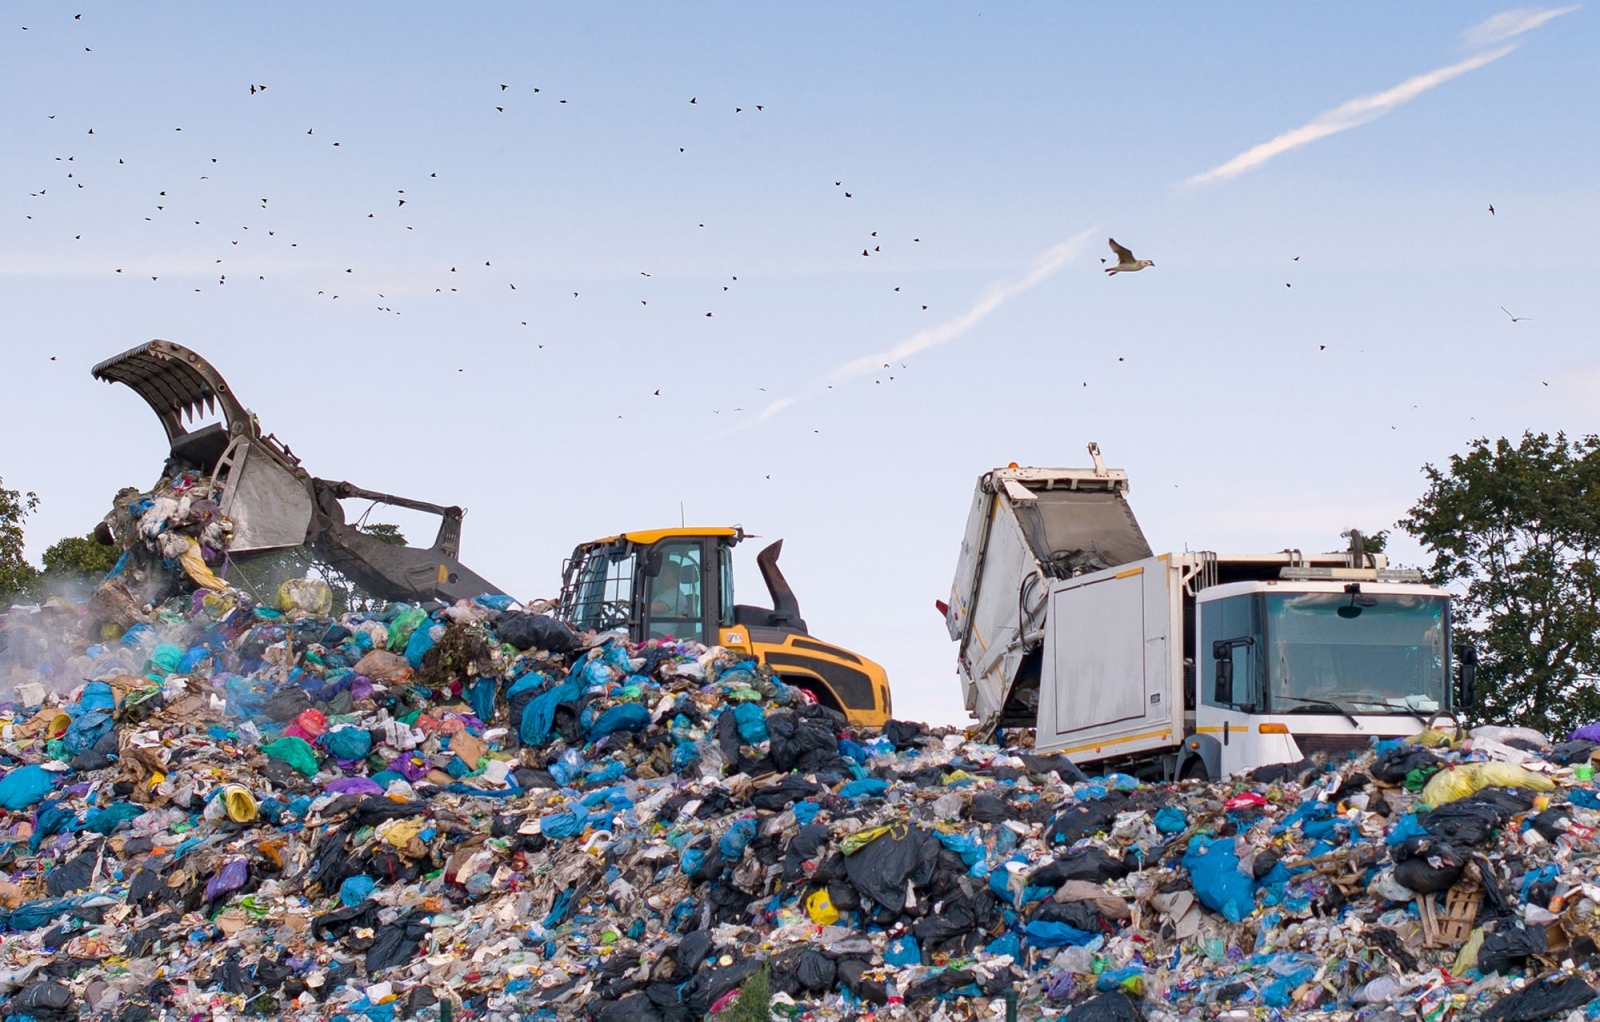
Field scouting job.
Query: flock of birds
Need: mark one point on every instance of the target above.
(1124, 259)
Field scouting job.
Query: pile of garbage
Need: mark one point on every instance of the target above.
(226, 809)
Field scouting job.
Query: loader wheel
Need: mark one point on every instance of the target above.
(1194, 770)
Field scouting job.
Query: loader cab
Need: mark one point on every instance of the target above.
(677, 584)
(664, 584)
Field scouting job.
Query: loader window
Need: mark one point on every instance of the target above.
(676, 598)
(725, 574)
(601, 593)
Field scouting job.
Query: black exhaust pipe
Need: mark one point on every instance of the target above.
(785, 607)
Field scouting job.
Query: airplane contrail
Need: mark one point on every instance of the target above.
(1500, 27)
(996, 295)
(1347, 115)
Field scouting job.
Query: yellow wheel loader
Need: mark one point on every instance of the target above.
(678, 583)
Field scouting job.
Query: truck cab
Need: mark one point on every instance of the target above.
(1294, 666)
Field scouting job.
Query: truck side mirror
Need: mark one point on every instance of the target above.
(652, 564)
(1224, 690)
(1467, 680)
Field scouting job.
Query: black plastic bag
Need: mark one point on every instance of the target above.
(1054, 764)
(1078, 914)
(73, 875)
(397, 943)
(1552, 823)
(1115, 1006)
(1428, 866)
(44, 1001)
(632, 1008)
(990, 808)
(803, 743)
(805, 846)
(1465, 822)
(1392, 766)
(692, 951)
(335, 924)
(1536, 1002)
(880, 870)
(793, 788)
(903, 734)
(535, 631)
(1092, 864)
(1568, 753)
(1080, 819)
(873, 991)
(1504, 951)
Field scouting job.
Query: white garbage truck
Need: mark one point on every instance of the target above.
(1184, 665)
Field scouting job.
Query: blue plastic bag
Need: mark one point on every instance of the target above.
(736, 838)
(356, 889)
(540, 713)
(1042, 933)
(865, 788)
(420, 642)
(623, 717)
(1214, 869)
(25, 786)
(1171, 820)
(97, 695)
(752, 723)
(903, 951)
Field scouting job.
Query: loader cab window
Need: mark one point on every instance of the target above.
(725, 575)
(1230, 619)
(675, 594)
(600, 593)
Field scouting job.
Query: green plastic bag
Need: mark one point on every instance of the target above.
(296, 752)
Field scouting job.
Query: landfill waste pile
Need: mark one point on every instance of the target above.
(217, 808)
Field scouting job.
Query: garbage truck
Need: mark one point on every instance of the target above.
(1184, 665)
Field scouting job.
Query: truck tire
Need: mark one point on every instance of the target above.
(1194, 770)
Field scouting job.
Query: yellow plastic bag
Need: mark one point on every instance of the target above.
(240, 804)
(194, 565)
(1433, 738)
(862, 838)
(1456, 782)
(820, 908)
(306, 596)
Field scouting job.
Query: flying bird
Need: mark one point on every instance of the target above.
(1126, 263)
(1514, 319)
(1491, 209)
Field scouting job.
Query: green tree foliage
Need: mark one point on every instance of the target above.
(1515, 528)
(80, 559)
(384, 531)
(16, 574)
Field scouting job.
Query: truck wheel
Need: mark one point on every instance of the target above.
(1194, 770)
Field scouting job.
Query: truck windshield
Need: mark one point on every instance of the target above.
(1370, 652)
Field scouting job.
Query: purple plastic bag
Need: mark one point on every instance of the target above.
(355, 786)
(1587, 733)
(228, 879)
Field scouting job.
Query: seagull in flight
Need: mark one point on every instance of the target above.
(1126, 263)
(1514, 319)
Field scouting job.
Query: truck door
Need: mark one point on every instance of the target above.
(1230, 684)
(674, 603)
(1106, 686)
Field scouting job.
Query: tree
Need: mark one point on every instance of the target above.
(1515, 528)
(15, 572)
(390, 534)
(78, 560)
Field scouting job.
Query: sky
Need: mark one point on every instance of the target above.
(752, 209)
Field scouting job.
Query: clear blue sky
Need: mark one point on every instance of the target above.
(992, 133)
